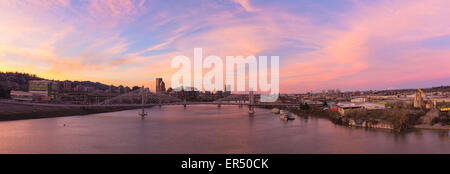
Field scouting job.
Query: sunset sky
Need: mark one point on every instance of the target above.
(322, 44)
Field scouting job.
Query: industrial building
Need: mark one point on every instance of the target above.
(349, 107)
(21, 95)
(40, 89)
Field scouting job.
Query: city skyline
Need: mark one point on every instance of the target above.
(347, 45)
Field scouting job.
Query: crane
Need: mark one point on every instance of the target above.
(428, 99)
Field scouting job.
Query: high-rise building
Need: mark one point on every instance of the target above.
(43, 87)
(160, 86)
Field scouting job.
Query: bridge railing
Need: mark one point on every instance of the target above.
(135, 97)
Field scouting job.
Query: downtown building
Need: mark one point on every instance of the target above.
(160, 86)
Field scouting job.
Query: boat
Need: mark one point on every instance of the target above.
(290, 117)
(276, 111)
(284, 118)
(286, 115)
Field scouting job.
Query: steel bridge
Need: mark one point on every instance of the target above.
(144, 99)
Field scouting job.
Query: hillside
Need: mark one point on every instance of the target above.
(19, 81)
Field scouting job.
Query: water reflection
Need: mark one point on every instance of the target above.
(208, 129)
(443, 134)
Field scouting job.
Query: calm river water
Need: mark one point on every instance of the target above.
(207, 129)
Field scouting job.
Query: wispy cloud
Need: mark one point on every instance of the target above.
(245, 4)
(348, 45)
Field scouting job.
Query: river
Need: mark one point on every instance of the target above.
(207, 129)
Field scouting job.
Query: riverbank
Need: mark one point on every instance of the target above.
(437, 126)
(397, 119)
(21, 111)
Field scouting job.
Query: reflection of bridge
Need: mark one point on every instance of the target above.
(149, 99)
(141, 96)
(184, 103)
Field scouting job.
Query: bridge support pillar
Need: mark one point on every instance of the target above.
(251, 101)
(251, 110)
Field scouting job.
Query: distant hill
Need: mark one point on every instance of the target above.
(19, 81)
(16, 80)
(96, 85)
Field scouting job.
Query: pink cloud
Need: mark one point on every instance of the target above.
(357, 54)
(245, 4)
(349, 53)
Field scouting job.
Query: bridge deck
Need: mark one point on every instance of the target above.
(147, 105)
